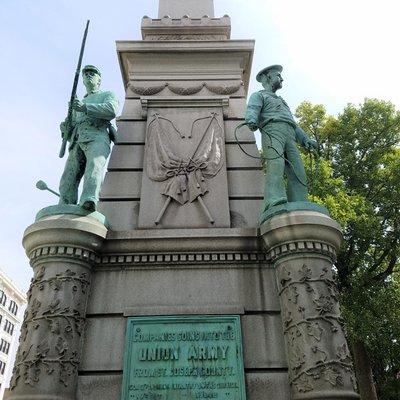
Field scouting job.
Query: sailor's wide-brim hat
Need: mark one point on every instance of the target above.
(265, 70)
(91, 68)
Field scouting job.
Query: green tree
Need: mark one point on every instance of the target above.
(357, 177)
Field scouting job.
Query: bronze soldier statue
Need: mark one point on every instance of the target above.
(271, 115)
(89, 133)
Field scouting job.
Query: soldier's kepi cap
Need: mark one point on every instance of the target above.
(267, 69)
(91, 68)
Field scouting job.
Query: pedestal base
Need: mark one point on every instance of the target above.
(70, 209)
(302, 245)
(292, 206)
(62, 250)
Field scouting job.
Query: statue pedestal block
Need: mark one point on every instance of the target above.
(302, 246)
(292, 206)
(70, 209)
(62, 251)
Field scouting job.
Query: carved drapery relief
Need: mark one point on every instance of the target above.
(52, 330)
(147, 90)
(318, 355)
(185, 90)
(224, 89)
(185, 175)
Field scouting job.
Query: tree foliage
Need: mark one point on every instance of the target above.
(357, 177)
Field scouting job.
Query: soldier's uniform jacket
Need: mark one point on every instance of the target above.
(265, 107)
(94, 124)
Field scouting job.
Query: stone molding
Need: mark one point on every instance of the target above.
(183, 258)
(65, 231)
(306, 226)
(302, 246)
(76, 253)
(186, 28)
(184, 101)
(65, 251)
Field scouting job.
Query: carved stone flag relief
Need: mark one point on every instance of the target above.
(184, 157)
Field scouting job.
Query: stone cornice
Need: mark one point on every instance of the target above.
(139, 46)
(64, 236)
(162, 247)
(185, 259)
(301, 226)
(63, 251)
(132, 54)
(301, 246)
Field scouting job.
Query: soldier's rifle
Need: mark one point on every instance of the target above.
(68, 134)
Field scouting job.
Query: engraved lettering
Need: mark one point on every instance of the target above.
(207, 352)
(158, 354)
(142, 354)
(213, 354)
(184, 357)
(202, 353)
(224, 349)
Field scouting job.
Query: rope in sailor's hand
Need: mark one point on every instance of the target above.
(262, 157)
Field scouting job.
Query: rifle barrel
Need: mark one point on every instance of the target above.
(74, 88)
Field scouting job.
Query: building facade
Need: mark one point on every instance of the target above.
(12, 305)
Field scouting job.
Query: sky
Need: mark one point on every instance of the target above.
(334, 52)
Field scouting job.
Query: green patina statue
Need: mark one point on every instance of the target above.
(89, 133)
(271, 115)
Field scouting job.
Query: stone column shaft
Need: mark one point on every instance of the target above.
(62, 252)
(302, 245)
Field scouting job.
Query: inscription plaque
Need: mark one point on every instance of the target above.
(183, 358)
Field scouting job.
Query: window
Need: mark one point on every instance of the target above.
(2, 367)
(13, 307)
(4, 346)
(9, 327)
(3, 298)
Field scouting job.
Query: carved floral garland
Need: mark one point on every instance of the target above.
(299, 329)
(65, 325)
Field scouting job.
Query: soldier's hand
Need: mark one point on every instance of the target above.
(64, 128)
(78, 105)
(311, 145)
(252, 127)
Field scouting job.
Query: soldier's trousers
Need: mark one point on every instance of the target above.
(278, 143)
(85, 160)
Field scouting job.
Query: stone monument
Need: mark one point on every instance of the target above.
(183, 295)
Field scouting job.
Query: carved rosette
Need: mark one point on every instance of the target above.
(51, 334)
(319, 360)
